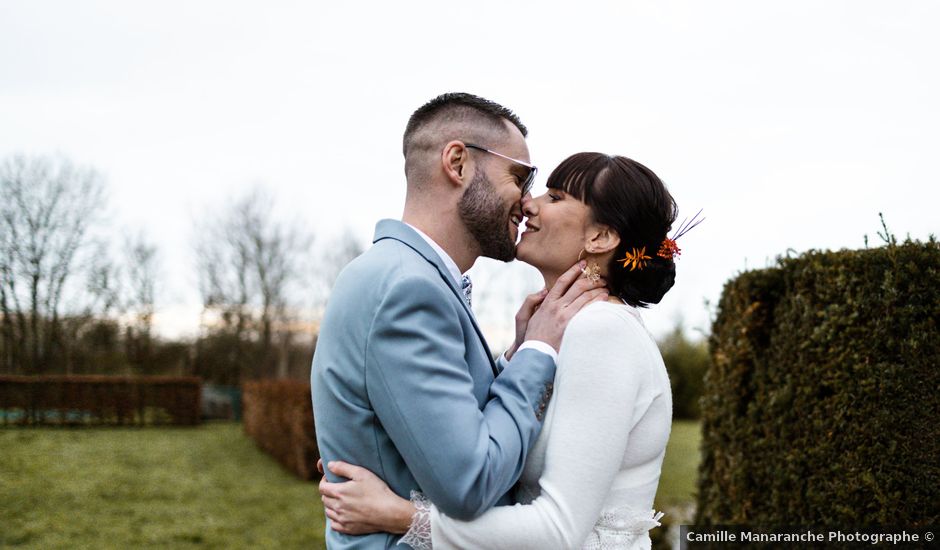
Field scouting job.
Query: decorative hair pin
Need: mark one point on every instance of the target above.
(668, 249)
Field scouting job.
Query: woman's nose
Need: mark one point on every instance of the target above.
(529, 206)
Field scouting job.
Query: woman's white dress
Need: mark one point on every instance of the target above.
(590, 477)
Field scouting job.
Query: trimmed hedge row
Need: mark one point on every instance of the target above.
(278, 415)
(99, 400)
(822, 403)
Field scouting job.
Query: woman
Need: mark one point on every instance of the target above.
(591, 476)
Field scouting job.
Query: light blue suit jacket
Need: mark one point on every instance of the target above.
(404, 384)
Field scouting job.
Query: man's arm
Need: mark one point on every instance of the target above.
(419, 384)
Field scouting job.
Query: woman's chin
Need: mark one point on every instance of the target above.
(524, 253)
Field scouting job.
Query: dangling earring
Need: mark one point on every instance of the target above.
(593, 271)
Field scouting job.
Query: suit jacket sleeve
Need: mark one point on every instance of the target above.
(419, 384)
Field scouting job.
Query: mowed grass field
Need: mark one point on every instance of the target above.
(677, 484)
(203, 487)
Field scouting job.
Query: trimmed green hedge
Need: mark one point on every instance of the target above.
(686, 362)
(822, 402)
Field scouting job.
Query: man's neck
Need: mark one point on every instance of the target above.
(449, 234)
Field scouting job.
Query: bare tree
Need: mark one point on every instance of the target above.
(336, 255)
(48, 205)
(248, 264)
(141, 269)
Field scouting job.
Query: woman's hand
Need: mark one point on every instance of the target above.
(364, 504)
(529, 306)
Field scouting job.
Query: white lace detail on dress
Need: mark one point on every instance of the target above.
(621, 527)
(419, 532)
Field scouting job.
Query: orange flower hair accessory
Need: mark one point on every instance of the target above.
(668, 250)
(636, 260)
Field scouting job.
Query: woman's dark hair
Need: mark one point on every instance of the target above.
(631, 199)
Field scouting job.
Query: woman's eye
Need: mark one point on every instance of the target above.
(554, 197)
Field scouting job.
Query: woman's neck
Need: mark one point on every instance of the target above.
(551, 277)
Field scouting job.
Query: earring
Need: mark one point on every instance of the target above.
(593, 271)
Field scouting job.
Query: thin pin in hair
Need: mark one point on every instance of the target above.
(687, 226)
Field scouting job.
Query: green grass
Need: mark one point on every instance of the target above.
(204, 487)
(680, 467)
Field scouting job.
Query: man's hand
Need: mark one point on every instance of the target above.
(562, 302)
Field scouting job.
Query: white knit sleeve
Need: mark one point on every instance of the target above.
(597, 384)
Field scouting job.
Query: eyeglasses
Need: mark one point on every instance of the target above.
(530, 177)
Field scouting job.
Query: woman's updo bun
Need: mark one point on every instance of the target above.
(632, 200)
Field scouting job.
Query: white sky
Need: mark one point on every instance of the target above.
(791, 123)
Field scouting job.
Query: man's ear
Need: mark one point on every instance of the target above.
(455, 159)
(601, 239)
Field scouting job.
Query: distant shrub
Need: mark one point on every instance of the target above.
(687, 362)
(821, 404)
(99, 400)
(278, 415)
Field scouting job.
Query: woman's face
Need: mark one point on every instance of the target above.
(556, 228)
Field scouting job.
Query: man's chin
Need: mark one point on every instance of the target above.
(504, 253)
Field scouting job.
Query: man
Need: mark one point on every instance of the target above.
(403, 382)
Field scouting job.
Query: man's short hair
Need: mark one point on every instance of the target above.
(459, 107)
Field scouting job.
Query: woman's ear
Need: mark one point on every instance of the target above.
(455, 160)
(601, 239)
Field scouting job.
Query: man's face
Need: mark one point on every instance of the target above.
(490, 207)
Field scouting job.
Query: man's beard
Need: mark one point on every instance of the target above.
(485, 216)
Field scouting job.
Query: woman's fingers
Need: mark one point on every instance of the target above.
(336, 524)
(330, 489)
(333, 515)
(531, 303)
(330, 503)
(347, 470)
(596, 295)
(565, 281)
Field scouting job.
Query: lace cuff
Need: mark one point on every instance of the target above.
(419, 532)
(621, 527)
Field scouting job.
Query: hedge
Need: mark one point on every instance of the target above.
(686, 362)
(99, 400)
(822, 402)
(278, 415)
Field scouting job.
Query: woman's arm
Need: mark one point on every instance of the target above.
(601, 366)
(364, 504)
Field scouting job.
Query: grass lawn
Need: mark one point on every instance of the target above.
(680, 467)
(203, 487)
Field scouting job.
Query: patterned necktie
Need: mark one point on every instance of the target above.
(467, 287)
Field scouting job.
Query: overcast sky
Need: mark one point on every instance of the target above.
(791, 123)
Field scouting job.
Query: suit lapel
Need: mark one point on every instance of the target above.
(399, 231)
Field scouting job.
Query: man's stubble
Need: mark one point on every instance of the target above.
(486, 218)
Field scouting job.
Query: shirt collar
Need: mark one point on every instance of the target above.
(448, 261)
